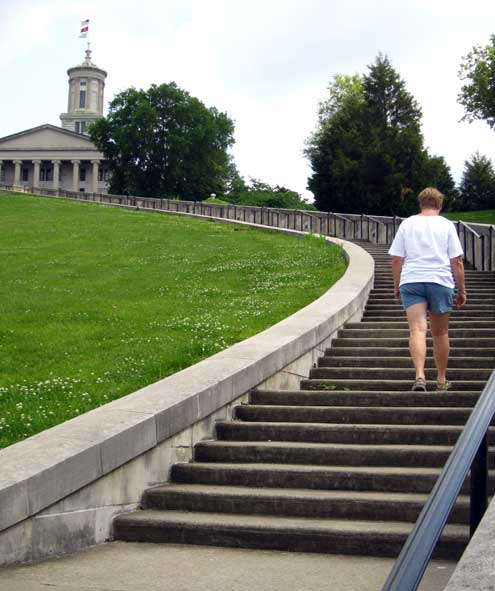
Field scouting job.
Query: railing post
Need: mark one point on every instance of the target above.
(473, 248)
(490, 248)
(482, 252)
(479, 485)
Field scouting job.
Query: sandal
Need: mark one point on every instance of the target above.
(443, 386)
(419, 385)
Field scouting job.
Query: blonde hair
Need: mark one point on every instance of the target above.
(430, 198)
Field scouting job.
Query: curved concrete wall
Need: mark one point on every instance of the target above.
(60, 489)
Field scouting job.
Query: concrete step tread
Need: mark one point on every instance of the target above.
(346, 426)
(215, 467)
(325, 446)
(294, 493)
(417, 410)
(380, 384)
(190, 519)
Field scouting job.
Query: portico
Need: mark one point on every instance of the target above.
(50, 157)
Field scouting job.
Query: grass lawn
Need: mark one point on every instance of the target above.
(98, 302)
(481, 217)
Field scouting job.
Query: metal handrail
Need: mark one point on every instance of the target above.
(374, 219)
(469, 228)
(470, 451)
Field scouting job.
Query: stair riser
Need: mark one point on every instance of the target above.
(392, 373)
(386, 435)
(292, 541)
(401, 324)
(357, 399)
(462, 333)
(376, 342)
(382, 385)
(402, 362)
(323, 509)
(455, 352)
(341, 457)
(375, 416)
(315, 480)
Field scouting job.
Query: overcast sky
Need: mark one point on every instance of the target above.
(266, 63)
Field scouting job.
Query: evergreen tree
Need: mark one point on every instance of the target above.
(394, 152)
(367, 153)
(478, 184)
(335, 149)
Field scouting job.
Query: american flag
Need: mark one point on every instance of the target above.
(84, 28)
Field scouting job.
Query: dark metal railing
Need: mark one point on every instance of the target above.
(462, 230)
(479, 247)
(469, 453)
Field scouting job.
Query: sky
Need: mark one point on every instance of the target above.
(266, 63)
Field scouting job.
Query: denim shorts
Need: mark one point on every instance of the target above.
(439, 299)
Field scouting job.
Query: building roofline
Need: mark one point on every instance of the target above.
(46, 126)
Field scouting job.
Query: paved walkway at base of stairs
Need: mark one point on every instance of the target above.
(121, 566)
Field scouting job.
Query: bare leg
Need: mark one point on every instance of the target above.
(416, 317)
(440, 332)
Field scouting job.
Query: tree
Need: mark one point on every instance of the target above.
(164, 142)
(394, 152)
(261, 194)
(477, 95)
(335, 149)
(478, 184)
(367, 150)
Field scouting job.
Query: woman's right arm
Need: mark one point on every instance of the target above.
(457, 266)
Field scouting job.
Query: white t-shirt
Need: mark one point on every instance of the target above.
(427, 244)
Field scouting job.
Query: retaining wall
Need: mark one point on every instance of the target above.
(60, 489)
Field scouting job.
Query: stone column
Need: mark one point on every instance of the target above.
(36, 176)
(56, 174)
(17, 172)
(75, 175)
(94, 178)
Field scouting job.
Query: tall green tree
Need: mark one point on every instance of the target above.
(367, 153)
(477, 94)
(164, 142)
(394, 150)
(335, 149)
(478, 184)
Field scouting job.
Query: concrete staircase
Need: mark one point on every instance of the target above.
(343, 465)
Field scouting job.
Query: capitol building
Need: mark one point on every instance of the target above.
(52, 157)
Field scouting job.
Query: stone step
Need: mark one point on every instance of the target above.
(401, 324)
(384, 298)
(375, 342)
(322, 504)
(401, 317)
(364, 398)
(461, 333)
(331, 433)
(467, 308)
(396, 373)
(383, 384)
(455, 352)
(351, 415)
(324, 454)
(356, 478)
(404, 362)
(400, 314)
(374, 538)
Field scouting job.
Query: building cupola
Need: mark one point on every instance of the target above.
(86, 92)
